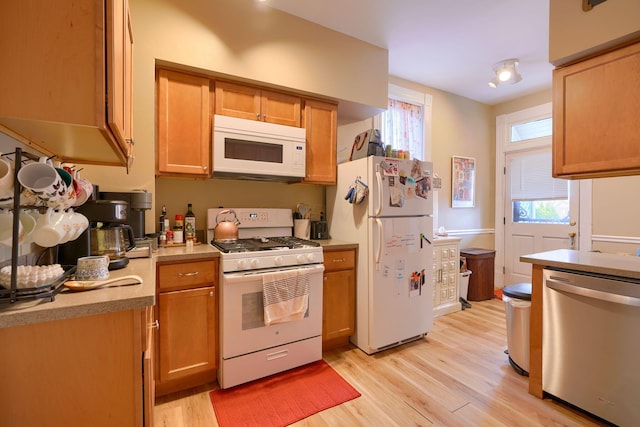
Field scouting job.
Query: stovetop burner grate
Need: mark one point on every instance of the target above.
(263, 244)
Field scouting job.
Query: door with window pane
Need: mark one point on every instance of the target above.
(540, 212)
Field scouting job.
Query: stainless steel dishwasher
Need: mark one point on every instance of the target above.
(591, 343)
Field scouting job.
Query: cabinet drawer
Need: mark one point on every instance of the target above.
(339, 260)
(187, 274)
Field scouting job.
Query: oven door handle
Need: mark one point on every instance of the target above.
(235, 278)
(562, 285)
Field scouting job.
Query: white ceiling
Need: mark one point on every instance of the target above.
(449, 45)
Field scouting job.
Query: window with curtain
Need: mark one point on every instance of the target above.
(402, 127)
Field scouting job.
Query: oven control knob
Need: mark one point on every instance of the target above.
(311, 257)
(277, 260)
(242, 264)
(255, 263)
(301, 259)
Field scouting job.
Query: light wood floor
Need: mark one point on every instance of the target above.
(456, 376)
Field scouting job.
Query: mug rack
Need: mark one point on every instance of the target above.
(44, 292)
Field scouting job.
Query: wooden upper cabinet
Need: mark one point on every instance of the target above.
(120, 79)
(596, 116)
(62, 62)
(254, 103)
(321, 124)
(183, 119)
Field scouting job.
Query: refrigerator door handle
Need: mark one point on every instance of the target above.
(378, 209)
(379, 248)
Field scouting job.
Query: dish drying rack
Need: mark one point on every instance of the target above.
(46, 291)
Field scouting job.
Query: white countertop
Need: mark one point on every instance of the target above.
(591, 262)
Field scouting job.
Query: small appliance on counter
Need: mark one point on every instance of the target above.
(138, 201)
(105, 235)
(320, 229)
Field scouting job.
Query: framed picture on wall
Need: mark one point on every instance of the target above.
(463, 182)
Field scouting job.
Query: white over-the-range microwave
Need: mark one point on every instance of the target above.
(245, 148)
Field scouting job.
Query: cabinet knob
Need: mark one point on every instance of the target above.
(205, 168)
(264, 117)
(130, 141)
(258, 116)
(154, 325)
(211, 293)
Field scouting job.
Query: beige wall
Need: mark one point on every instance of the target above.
(616, 213)
(257, 44)
(574, 33)
(461, 127)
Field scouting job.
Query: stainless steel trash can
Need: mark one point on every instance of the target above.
(517, 300)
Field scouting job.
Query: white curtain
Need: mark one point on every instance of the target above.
(401, 127)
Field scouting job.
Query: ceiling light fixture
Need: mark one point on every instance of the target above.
(505, 72)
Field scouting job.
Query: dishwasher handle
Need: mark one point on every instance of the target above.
(562, 284)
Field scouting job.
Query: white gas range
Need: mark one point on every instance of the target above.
(265, 249)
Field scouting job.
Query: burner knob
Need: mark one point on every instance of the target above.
(278, 260)
(255, 263)
(242, 264)
(301, 258)
(311, 257)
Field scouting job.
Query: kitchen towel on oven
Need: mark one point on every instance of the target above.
(285, 295)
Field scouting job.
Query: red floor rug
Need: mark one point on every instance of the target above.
(282, 399)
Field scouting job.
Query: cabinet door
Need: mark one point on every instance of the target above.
(321, 124)
(119, 74)
(280, 108)
(596, 104)
(65, 57)
(183, 137)
(238, 100)
(149, 386)
(338, 314)
(187, 334)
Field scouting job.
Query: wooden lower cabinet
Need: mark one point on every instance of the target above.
(339, 294)
(83, 371)
(187, 316)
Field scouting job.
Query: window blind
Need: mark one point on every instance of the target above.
(530, 179)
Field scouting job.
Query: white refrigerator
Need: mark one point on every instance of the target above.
(393, 226)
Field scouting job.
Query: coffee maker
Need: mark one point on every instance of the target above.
(105, 235)
(138, 201)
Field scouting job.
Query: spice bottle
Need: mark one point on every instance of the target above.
(178, 230)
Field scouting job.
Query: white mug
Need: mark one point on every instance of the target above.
(43, 181)
(6, 228)
(28, 221)
(6, 183)
(79, 223)
(47, 232)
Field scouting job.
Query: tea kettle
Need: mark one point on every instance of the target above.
(227, 230)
